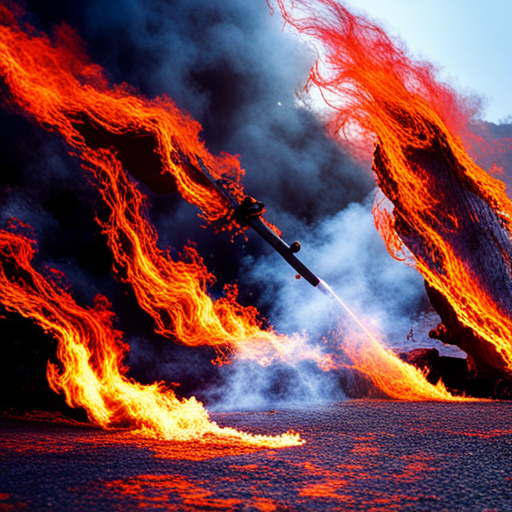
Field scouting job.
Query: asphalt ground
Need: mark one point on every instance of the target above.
(359, 455)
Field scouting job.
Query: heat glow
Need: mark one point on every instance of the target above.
(372, 86)
(50, 80)
(389, 373)
(91, 373)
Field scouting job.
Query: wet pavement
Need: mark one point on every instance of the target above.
(359, 455)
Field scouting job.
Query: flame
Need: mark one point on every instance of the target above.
(389, 373)
(422, 166)
(53, 82)
(174, 292)
(91, 352)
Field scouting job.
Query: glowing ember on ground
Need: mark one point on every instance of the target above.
(360, 455)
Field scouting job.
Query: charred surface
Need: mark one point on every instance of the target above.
(451, 331)
(472, 229)
(457, 375)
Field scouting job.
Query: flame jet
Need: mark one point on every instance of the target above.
(451, 219)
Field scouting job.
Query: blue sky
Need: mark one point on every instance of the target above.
(471, 40)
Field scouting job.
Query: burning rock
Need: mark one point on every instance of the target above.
(450, 219)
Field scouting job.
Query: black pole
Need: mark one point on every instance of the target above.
(249, 213)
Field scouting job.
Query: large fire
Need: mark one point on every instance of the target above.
(78, 103)
(451, 219)
(51, 81)
(91, 372)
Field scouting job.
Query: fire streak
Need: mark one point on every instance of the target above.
(174, 292)
(390, 374)
(66, 93)
(91, 351)
(53, 82)
(369, 82)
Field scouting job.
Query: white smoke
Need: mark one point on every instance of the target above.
(230, 65)
(386, 295)
(346, 251)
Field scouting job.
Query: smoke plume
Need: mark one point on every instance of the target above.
(234, 70)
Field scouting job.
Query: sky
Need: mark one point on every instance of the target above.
(469, 39)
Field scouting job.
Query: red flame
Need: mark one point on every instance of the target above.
(371, 83)
(91, 373)
(52, 81)
(172, 292)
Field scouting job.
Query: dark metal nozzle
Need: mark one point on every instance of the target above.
(250, 213)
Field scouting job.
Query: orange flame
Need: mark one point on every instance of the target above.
(174, 293)
(91, 351)
(370, 82)
(389, 373)
(53, 82)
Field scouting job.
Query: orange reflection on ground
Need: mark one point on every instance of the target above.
(417, 464)
(328, 489)
(409, 460)
(491, 434)
(326, 484)
(89, 440)
(366, 449)
(86, 437)
(265, 505)
(8, 505)
(148, 490)
(198, 451)
(341, 483)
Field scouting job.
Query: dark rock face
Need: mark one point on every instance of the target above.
(456, 375)
(452, 332)
(475, 233)
(426, 359)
